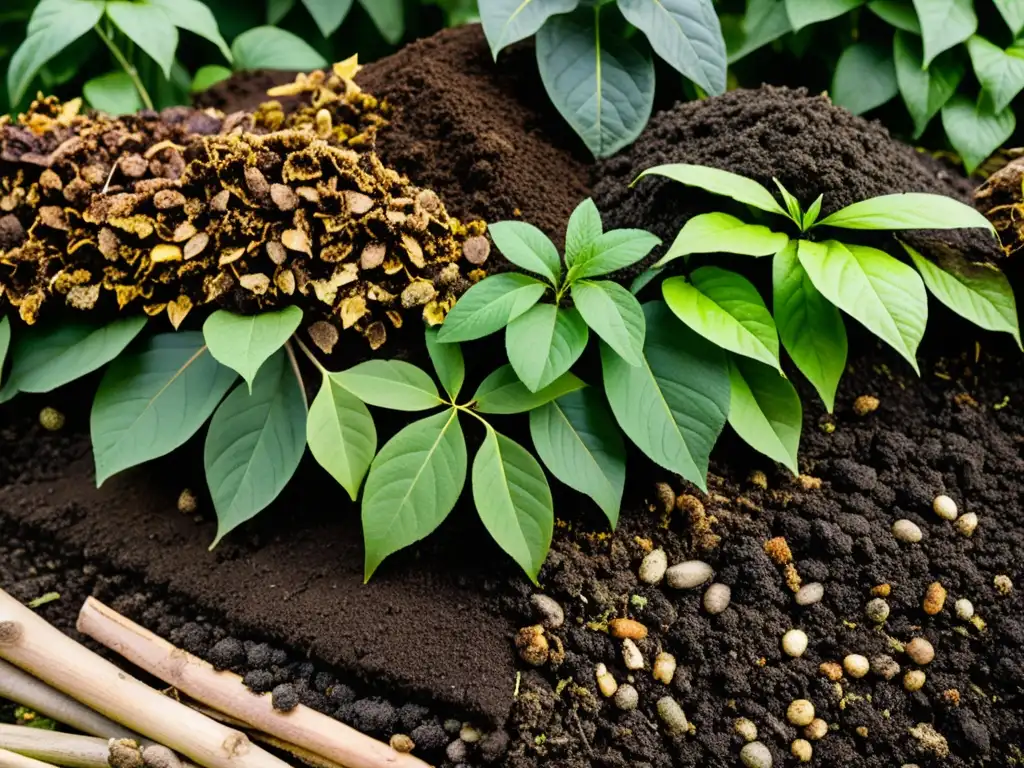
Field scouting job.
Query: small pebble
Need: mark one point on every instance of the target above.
(966, 524)
(809, 594)
(605, 682)
(187, 503)
(877, 610)
(745, 728)
(666, 497)
(533, 645)
(818, 729)
(156, 756)
(920, 651)
(964, 609)
(856, 665)
(759, 479)
(944, 507)
(653, 567)
(51, 419)
(1003, 584)
(914, 680)
(862, 731)
(672, 715)
(794, 643)
(801, 750)
(885, 666)
(626, 698)
(756, 755)
(934, 598)
(664, 668)
(831, 670)
(907, 531)
(716, 598)
(548, 611)
(402, 743)
(631, 655)
(865, 404)
(688, 575)
(457, 751)
(469, 734)
(623, 628)
(800, 712)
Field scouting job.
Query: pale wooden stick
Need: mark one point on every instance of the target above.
(58, 748)
(14, 760)
(28, 642)
(223, 691)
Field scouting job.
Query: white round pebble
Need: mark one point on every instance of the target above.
(717, 598)
(907, 531)
(626, 698)
(944, 507)
(548, 611)
(800, 712)
(664, 667)
(966, 524)
(631, 655)
(964, 609)
(672, 715)
(877, 610)
(794, 643)
(885, 666)
(756, 755)
(809, 594)
(914, 680)
(653, 566)
(746, 729)
(816, 730)
(688, 575)
(856, 665)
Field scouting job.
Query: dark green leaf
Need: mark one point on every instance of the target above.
(277, 10)
(273, 48)
(503, 393)
(583, 230)
(113, 93)
(924, 91)
(614, 314)
(527, 247)
(865, 78)
(717, 182)
(148, 26)
(898, 13)
(613, 251)
(244, 342)
(764, 22)
(765, 411)
(196, 17)
(975, 131)
(1001, 73)
(391, 384)
(509, 21)
(328, 14)
(1013, 13)
(489, 306)
(944, 23)
(802, 13)
(341, 435)
(388, 16)
(722, 233)
(544, 343)
(208, 76)
(448, 362)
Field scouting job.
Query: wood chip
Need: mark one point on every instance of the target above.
(178, 309)
(196, 244)
(323, 335)
(476, 250)
(296, 240)
(352, 310)
(276, 252)
(165, 252)
(373, 255)
(257, 283)
(183, 232)
(219, 202)
(414, 249)
(230, 256)
(284, 279)
(358, 203)
(376, 334)
(283, 196)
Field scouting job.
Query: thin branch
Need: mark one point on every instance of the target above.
(53, 747)
(14, 760)
(127, 66)
(306, 351)
(298, 373)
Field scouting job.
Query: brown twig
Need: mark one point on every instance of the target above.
(14, 760)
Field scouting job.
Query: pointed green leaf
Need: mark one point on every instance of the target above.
(196, 17)
(803, 13)
(1013, 13)
(388, 17)
(393, 384)
(544, 343)
(448, 363)
(880, 292)
(5, 341)
(152, 400)
(254, 444)
(341, 435)
(908, 210)
(811, 328)
(208, 76)
(726, 309)
(614, 314)
(812, 214)
(514, 501)
(976, 291)
(739, 188)
(113, 93)
(924, 91)
(1001, 73)
(765, 411)
(898, 13)
(613, 251)
(503, 393)
(527, 247)
(792, 204)
(975, 131)
(509, 21)
(577, 439)
(413, 484)
(149, 27)
(277, 10)
(642, 280)
(273, 48)
(244, 342)
(864, 77)
(328, 14)
(489, 306)
(722, 233)
(582, 232)
(944, 23)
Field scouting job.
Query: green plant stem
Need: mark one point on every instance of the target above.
(126, 65)
(467, 409)
(306, 351)
(290, 351)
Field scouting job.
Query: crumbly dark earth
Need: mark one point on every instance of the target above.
(435, 627)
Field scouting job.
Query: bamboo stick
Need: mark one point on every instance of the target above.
(14, 760)
(64, 749)
(28, 642)
(223, 691)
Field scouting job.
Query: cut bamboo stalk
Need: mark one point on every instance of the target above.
(224, 691)
(64, 749)
(14, 760)
(29, 642)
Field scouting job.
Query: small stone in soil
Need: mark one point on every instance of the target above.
(944, 507)
(877, 610)
(809, 594)
(801, 749)
(51, 419)
(549, 612)
(800, 712)
(653, 567)
(856, 665)
(964, 609)
(794, 643)
(124, 753)
(626, 698)
(689, 574)
(402, 743)
(745, 728)
(966, 524)
(664, 668)
(913, 680)
(920, 651)
(885, 666)
(623, 628)
(187, 503)
(907, 531)
(469, 734)
(157, 756)
(831, 670)
(457, 751)
(817, 729)
(533, 645)
(717, 598)
(284, 697)
(1003, 584)
(672, 715)
(605, 682)
(865, 404)
(631, 655)
(934, 598)
(756, 755)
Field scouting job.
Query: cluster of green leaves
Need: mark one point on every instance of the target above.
(599, 76)
(812, 280)
(920, 50)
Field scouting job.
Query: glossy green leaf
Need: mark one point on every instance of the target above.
(739, 188)
(864, 78)
(803, 13)
(448, 363)
(1013, 13)
(413, 485)
(944, 23)
(527, 247)
(503, 393)
(328, 14)
(924, 91)
(341, 435)
(792, 204)
(722, 233)
(614, 314)
(764, 22)
(196, 17)
(577, 439)
(898, 13)
(544, 343)
(907, 210)
(765, 411)
(489, 306)
(1001, 73)
(582, 232)
(601, 83)
(273, 48)
(644, 279)
(979, 292)
(148, 26)
(393, 384)
(613, 251)
(726, 309)
(388, 16)
(686, 34)
(674, 405)
(975, 131)
(810, 326)
(152, 400)
(255, 443)
(113, 93)
(813, 212)
(880, 292)
(5, 342)
(514, 501)
(244, 342)
(209, 76)
(509, 21)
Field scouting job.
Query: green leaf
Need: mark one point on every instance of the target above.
(726, 309)
(277, 10)
(273, 48)
(642, 280)
(614, 314)
(924, 91)
(975, 131)
(527, 247)
(388, 16)
(811, 216)
(977, 291)
(673, 406)
(255, 442)
(686, 34)
(577, 439)
(5, 341)
(152, 400)
(1013, 13)
(195, 17)
(880, 292)
(583, 230)
(722, 233)
(44, 358)
(944, 23)
(328, 14)
(514, 501)
(1001, 73)
(509, 21)
(764, 22)
(792, 204)
(148, 26)
(54, 25)
(113, 93)
(614, 250)
(244, 342)
(898, 13)
(811, 328)
(489, 306)
(413, 484)
(341, 435)
(739, 188)
(448, 362)
(864, 78)
(765, 411)
(907, 210)
(598, 81)
(503, 393)
(803, 13)
(209, 76)
(392, 384)
(544, 343)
